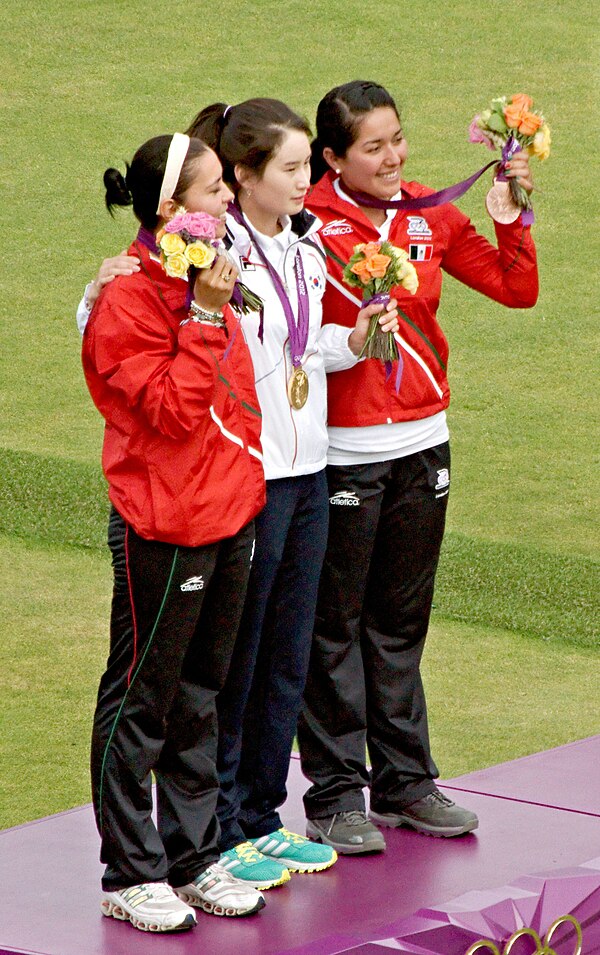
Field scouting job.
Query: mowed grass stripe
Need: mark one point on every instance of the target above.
(492, 695)
(517, 587)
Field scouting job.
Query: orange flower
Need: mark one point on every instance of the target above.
(522, 100)
(377, 265)
(513, 114)
(370, 248)
(373, 267)
(361, 270)
(530, 123)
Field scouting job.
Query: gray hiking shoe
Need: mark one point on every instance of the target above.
(434, 815)
(349, 833)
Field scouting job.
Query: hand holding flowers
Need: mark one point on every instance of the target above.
(189, 240)
(512, 124)
(376, 268)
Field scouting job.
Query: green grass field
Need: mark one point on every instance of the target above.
(513, 657)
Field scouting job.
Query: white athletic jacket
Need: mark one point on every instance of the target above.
(294, 442)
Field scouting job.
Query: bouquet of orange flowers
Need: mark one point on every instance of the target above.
(511, 123)
(376, 268)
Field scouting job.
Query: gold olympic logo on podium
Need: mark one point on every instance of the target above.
(542, 947)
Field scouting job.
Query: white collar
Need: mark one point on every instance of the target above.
(239, 234)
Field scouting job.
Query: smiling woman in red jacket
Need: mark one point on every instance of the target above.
(182, 457)
(389, 477)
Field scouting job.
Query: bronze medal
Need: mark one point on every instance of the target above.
(500, 203)
(298, 388)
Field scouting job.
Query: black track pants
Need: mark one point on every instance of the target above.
(175, 615)
(258, 708)
(386, 523)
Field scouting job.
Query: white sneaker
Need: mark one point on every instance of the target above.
(151, 907)
(219, 893)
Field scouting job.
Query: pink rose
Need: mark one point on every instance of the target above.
(201, 225)
(476, 134)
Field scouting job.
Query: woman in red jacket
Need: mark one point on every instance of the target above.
(175, 385)
(389, 477)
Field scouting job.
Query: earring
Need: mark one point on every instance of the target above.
(248, 192)
(337, 172)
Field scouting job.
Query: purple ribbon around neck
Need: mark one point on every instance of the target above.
(450, 194)
(297, 330)
(147, 238)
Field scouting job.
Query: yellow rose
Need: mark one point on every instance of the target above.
(170, 243)
(540, 147)
(400, 255)
(200, 255)
(176, 265)
(410, 279)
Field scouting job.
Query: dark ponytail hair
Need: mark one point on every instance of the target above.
(249, 133)
(339, 115)
(141, 184)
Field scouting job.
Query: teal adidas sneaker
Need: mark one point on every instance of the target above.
(296, 852)
(252, 867)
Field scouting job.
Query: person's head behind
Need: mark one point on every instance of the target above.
(247, 135)
(350, 114)
(199, 186)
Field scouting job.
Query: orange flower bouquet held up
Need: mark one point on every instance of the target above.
(509, 124)
(376, 268)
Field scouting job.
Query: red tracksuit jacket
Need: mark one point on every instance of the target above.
(182, 449)
(439, 238)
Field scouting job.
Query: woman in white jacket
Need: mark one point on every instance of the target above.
(265, 151)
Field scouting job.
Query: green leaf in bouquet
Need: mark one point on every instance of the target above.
(497, 123)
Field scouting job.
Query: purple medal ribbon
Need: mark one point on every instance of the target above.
(425, 202)
(147, 238)
(298, 331)
(450, 194)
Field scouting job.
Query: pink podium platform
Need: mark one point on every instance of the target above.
(539, 814)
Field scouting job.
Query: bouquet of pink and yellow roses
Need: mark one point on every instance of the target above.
(189, 242)
(188, 239)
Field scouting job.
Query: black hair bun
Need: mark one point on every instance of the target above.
(117, 191)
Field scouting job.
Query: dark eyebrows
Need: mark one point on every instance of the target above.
(292, 163)
(377, 142)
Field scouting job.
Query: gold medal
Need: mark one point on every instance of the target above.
(298, 388)
(500, 203)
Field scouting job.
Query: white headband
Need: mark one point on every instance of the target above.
(177, 152)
